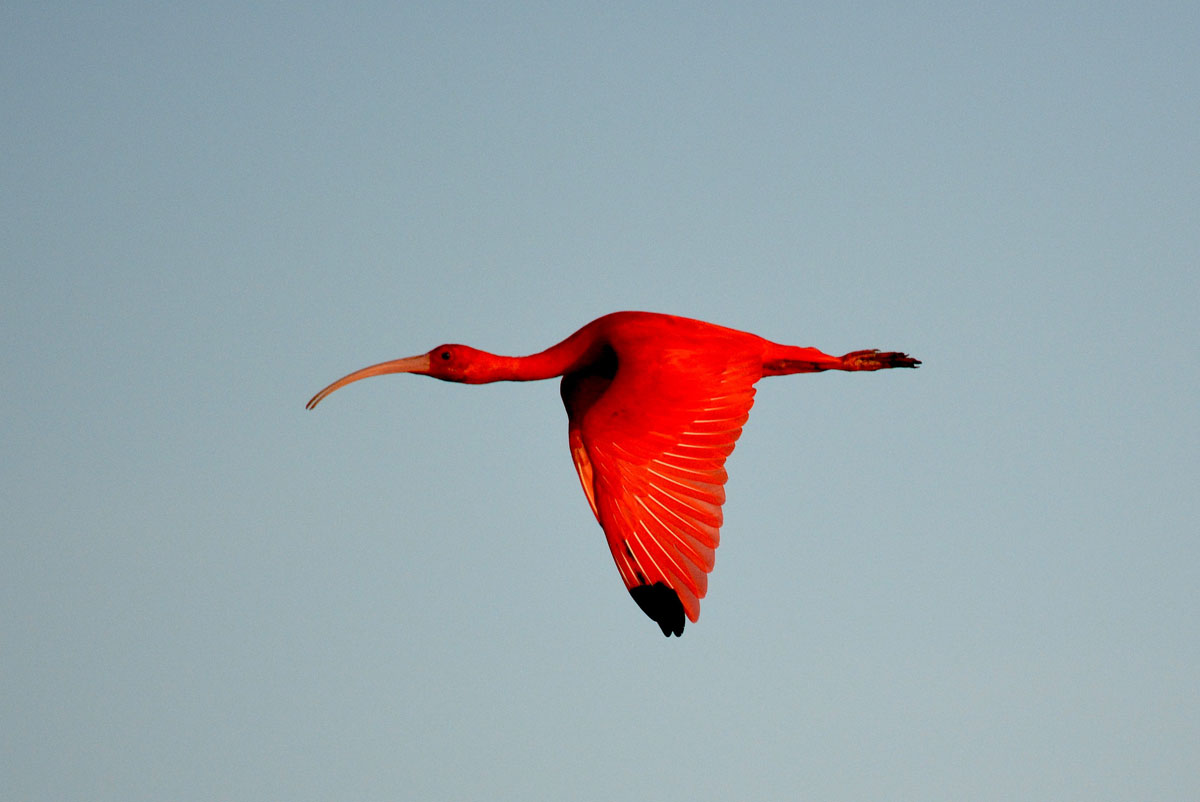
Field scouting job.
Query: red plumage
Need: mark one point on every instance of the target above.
(655, 404)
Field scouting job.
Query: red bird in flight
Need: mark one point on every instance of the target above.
(654, 405)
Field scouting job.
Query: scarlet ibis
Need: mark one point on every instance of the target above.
(654, 405)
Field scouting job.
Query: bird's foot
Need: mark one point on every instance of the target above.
(877, 360)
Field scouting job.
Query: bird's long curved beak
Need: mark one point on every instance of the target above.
(411, 364)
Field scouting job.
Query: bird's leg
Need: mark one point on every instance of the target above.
(784, 359)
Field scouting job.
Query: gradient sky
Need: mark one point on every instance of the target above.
(978, 580)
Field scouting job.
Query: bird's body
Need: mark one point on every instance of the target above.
(655, 404)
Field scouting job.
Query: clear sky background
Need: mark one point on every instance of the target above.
(978, 580)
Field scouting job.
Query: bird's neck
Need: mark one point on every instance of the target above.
(570, 354)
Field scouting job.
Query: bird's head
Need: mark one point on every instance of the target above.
(450, 362)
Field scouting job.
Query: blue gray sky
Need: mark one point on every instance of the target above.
(973, 581)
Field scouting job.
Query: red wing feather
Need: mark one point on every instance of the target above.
(650, 453)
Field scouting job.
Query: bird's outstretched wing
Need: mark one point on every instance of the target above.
(649, 445)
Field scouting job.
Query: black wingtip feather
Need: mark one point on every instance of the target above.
(662, 604)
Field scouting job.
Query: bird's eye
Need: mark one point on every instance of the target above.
(445, 355)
